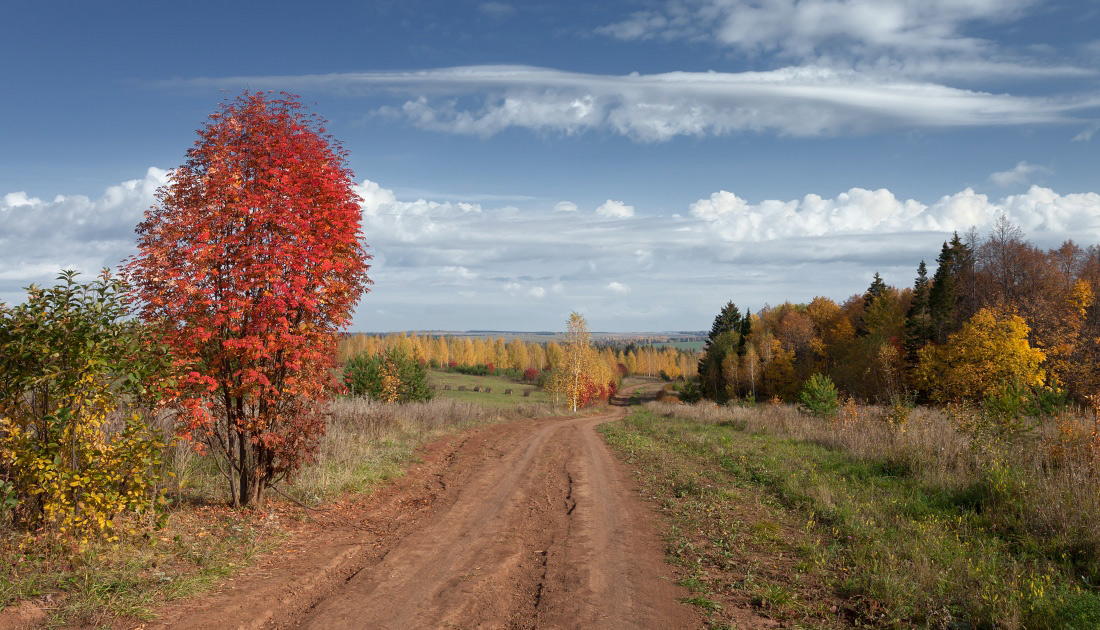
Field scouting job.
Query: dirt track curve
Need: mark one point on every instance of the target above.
(530, 524)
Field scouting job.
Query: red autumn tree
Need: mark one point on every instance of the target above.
(248, 266)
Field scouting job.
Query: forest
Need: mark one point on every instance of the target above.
(997, 312)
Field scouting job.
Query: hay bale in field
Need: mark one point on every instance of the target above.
(477, 388)
(488, 390)
(526, 393)
(508, 392)
(447, 387)
(461, 388)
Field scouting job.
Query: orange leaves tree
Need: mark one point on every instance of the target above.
(248, 266)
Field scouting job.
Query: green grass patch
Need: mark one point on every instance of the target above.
(814, 534)
(495, 398)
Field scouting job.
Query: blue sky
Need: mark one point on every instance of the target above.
(642, 162)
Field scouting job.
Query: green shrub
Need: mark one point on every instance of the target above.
(1015, 409)
(689, 391)
(70, 360)
(819, 397)
(389, 377)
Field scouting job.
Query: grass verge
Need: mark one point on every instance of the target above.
(819, 533)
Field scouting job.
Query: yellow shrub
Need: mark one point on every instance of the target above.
(989, 351)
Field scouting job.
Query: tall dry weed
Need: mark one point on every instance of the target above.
(1043, 487)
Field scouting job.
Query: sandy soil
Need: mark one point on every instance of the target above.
(530, 524)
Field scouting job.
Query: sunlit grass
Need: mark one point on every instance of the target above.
(913, 526)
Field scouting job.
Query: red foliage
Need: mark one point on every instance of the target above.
(623, 372)
(491, 368)
(248, 266)
(530, 374)
(452, 364)
(590, 392)
(612, 389)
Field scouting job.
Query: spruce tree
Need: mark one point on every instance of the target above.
(918, 330)
(727, 327)
(941, 297)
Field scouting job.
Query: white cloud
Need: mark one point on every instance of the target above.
(615, 210)
(457, 272)
(861, 211)
(915, 37)
(618, 287)
(806, 100)
(565, 206)
(1087, 133)
(1020, 174)
(40, 238)
(798, 27)
(496, 9)
(441, 264)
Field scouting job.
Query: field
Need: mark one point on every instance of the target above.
(862, 523)
(682, 345)
(495, 398)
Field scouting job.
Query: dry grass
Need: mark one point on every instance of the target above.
(1038, 491)
(367, 442)
(1007, 522)
(204, 540)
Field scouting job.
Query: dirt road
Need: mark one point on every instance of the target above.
(531, 524)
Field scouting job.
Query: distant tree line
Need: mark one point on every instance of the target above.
(466, 352)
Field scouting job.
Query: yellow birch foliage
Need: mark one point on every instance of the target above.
(988, 351)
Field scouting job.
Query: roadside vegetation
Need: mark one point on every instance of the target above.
(202, 539)
(868, 517)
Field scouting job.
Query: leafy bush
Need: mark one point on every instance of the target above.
(819, 397)
(69, 359)
(471, 370)
(393, 376)
(530, 374)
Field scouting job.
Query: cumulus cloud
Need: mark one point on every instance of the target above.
(565, 206)
(805, 100)
(457, 272)
(615, 210)
(618, 287)
(879, 211)
(1020, 174)
(445, 264)
(39, 238)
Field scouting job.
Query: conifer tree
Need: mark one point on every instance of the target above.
(918, 329)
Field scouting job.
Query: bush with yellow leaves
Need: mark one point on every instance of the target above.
(73, 453)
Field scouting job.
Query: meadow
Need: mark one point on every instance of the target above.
(497, 397)
(871, 519)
